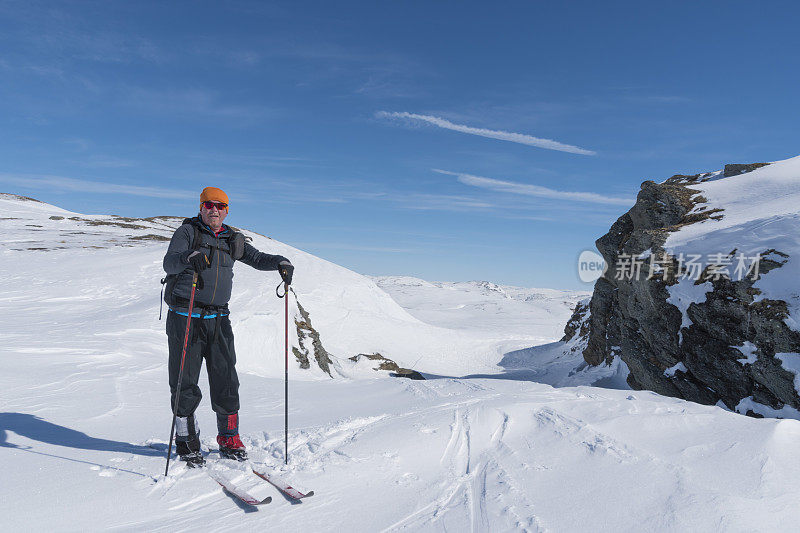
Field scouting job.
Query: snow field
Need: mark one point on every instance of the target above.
(447, 454)
(84, 414)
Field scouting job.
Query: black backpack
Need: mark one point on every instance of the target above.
(236, 242)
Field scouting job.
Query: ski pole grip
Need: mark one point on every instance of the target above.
(278, 289)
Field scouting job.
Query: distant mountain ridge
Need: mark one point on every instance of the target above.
(533, 312)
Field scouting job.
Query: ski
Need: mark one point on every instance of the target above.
(282, 485)
(230, 487)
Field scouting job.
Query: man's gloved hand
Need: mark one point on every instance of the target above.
(286, 269)
(198, 261)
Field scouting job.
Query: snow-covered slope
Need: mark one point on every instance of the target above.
(114, 265)
(82, 449)
(84, 413)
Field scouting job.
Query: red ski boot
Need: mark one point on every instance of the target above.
(231, 448)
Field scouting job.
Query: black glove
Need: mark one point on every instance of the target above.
(198, 261)
(286, 269)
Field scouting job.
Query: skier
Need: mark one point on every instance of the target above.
(206, 246)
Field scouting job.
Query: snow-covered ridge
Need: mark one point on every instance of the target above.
(115, 263)
(28, 224)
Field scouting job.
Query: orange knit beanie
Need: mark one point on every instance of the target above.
(214, 195)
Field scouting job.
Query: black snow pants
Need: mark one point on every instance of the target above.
(210, 339)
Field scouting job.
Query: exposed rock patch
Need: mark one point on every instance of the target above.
(115, 223)
(577, 324)
(151, 237)
(307, 334)
(735, 169)
(388, 365)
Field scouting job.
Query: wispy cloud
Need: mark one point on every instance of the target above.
(534, 190)
(192, 102)
(519, 138)
(102, 161)
(64, 183)
(441, 202)
(387, 84)
(252, 159)
(353, 247)
(534, 218)
(64, 34)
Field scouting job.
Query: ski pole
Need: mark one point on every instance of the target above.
(286, 376)
(285, 296)
(180, 373)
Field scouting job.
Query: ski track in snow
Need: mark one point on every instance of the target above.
(508, 456)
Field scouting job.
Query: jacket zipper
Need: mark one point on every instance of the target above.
(216, 279)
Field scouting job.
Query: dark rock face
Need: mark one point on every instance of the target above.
(729, 317)
(631, 318)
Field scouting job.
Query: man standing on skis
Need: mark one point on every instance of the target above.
(207, 247)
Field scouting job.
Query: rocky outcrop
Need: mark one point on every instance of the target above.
(720, 349)
(387, 365)
(578, 323)
(310, 345)
(736, 169)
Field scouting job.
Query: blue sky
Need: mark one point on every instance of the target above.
(444, 140)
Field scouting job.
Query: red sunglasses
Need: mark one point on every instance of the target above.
(219, 205)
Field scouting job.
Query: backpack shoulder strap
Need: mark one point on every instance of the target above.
(197, 239)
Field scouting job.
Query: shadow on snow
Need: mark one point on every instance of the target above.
(549, 364)
(38, 429)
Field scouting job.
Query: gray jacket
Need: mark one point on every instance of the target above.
(214, 283)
